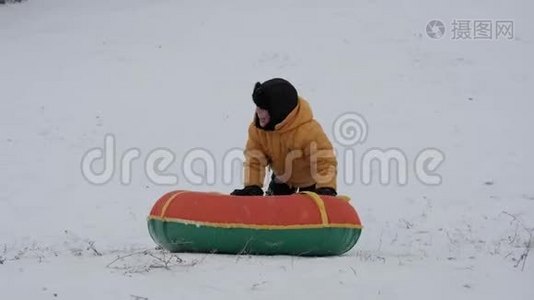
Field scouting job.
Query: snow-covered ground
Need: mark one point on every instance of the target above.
(178, 75)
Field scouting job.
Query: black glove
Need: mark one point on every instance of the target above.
(251, 190)
(326, 191)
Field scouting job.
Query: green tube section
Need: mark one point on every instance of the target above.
(183, 237)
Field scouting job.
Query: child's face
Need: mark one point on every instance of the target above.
(263, 116)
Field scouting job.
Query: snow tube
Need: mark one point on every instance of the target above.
(299, 224)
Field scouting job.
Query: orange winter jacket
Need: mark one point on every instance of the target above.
(297, 150)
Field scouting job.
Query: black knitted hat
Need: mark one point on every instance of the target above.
(278, 97)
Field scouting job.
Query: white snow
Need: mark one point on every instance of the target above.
(179, 74)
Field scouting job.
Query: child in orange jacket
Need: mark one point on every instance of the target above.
(285, 137)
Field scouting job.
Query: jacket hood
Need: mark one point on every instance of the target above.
(299, 115)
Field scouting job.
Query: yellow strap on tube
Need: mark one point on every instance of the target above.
(168, 202)
(320, 204)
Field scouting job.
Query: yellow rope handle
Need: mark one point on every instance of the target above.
(168, 202)
(320, 204)
(343, 197)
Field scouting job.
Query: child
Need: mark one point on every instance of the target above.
(285, 137)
